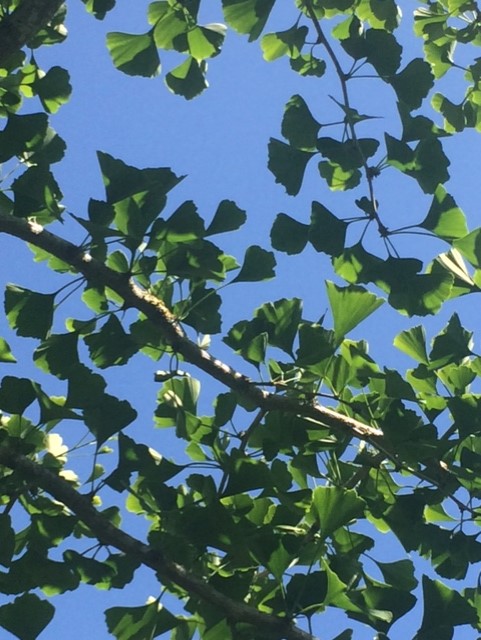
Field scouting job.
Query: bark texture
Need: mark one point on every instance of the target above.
(23, 23)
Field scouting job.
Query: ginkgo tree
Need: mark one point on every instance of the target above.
(274, 512)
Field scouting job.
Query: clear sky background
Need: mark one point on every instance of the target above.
(219, 141)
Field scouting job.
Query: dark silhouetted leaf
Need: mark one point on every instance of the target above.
(288, 235)
(26, 617)
(258, 265)
(228, 217)
(413, 83)
(30, 314)
(299, 127)
(326, 232)
(288, 165)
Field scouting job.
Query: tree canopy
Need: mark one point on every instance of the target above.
(301, 455)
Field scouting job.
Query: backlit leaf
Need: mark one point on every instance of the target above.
(350, 305)
(413, 343)
(6, 354)
(135, 55)
(281, 43)
(54, 89)
(334, 507)
(445, 218)
(247, 16)
(444, 608)
(470, 247)
(139, 623)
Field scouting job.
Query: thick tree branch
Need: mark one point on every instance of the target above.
(154, 309)
(108, 534)
(23, 23)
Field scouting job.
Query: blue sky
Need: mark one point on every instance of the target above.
(219, 141)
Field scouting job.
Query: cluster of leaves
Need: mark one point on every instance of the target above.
(285, 516)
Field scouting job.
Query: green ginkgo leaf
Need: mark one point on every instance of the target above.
(135, 55)
(334, 507)
(258, 265)
(349, 306)
(413, 343)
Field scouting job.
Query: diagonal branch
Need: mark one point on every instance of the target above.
(155, 309)
(23, 23)
(108, 534)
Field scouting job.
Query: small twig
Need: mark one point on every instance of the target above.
(321, 39)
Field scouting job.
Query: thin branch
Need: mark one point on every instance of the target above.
(23, 23)
(321, 38)
(108, 534)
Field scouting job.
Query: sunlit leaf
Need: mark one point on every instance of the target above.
(445, 218)
(54, 89)
(247, 16)
(413, 343)
(454, 119)
(135, 55)
(444, 608)
(204, 42)
(470, 247)
(350, 305)
(139, 623)
(452, 344)
(381, 14)
(334, 507)
(188, 79)
(281, 43)
(6, 354)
